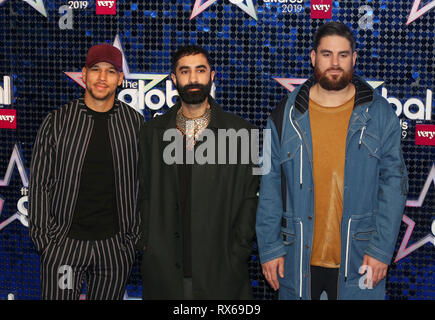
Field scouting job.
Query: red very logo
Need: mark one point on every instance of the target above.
(8, 119)
(321, 9)
(106, 7)
(425, 134)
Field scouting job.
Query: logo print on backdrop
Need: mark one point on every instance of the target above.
(404, 250)
(425, 134)
(8, 119)
(21, 214)
(246, 5)
(321, 9)
(6, 91)
(417, 13)
(287, 6)
(424, 110)
(105, 7)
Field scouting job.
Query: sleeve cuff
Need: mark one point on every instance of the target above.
(378, 254)
(271, 254)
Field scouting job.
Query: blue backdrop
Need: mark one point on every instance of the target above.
(260, 50)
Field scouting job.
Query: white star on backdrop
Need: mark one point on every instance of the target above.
(245, 5)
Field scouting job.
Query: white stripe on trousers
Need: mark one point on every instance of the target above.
(104, 266)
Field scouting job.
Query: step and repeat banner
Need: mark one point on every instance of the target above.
(260, 50)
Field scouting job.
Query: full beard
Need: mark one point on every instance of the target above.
(334, 82)
(197, 96)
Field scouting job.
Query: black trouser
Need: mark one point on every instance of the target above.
(104, 265)
(188, 288)
(324, 279)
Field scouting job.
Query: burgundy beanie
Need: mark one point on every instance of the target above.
(104, 53)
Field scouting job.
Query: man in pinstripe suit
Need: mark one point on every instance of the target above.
(83, 187)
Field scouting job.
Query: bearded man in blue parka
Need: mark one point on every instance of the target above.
(330, 208)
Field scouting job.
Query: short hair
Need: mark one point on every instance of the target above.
(333, 29)
(189, 51)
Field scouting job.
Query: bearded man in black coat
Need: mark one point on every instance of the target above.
(198, 192)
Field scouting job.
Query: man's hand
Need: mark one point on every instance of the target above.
(376, 270)
(270, 273)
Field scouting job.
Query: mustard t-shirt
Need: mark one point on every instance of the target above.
(328, 130)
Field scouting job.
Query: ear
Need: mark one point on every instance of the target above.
(121, 78)
(313, 58)
(174, 78)
(84, 70)
(354, 55)
(212, 75)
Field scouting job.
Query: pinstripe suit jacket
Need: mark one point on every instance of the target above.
(56, 165)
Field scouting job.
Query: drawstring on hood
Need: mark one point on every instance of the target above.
(301, 153)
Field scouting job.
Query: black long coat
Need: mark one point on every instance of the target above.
(223, 209)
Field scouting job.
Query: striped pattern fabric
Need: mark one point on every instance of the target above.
(55, 170)
(104, 265)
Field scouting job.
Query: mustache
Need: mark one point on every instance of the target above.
(193, 86)
(334, 69)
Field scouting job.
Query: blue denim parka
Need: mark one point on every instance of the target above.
(374, 195)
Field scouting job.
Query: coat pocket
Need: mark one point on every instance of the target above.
(371, 144)
(360, 230)
(289, 150)
(291, 238)
(287, 230)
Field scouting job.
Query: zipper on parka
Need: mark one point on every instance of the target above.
(303, 141)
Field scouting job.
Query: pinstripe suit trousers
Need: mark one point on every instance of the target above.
(103, 265)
